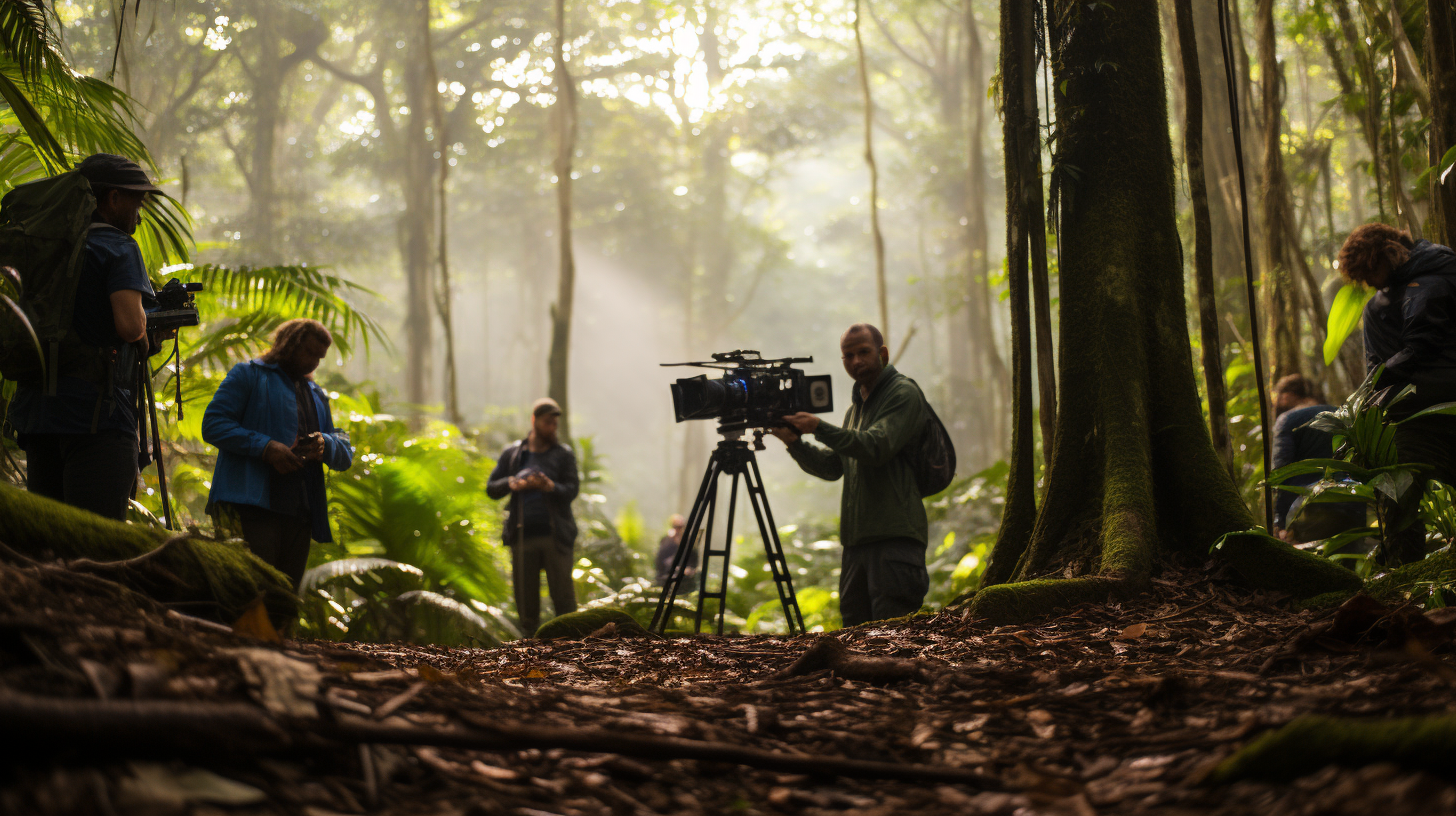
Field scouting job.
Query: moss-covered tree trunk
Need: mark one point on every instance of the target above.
(1134, 473)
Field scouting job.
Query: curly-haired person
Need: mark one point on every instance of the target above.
(1410, 328)
(274, 434)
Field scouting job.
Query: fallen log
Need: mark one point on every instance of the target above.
(190, 729)
(216, 580)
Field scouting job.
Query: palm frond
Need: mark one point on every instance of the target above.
(297, 291)
(450, 607)
(343, 567)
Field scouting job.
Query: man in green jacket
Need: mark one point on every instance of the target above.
(881, 518)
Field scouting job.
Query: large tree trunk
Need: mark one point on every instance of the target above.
(1441, 29)
(1134, 472)
(564, 114)
(1213, 379)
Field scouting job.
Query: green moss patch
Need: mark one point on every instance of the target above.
(1311, 743)
(217, 580)
(1006, 604)
(577, 625)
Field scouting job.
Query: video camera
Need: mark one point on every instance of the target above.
(175, 306)
(752, 393)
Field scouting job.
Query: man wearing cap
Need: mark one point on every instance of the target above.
(81, 442)
(539, 475)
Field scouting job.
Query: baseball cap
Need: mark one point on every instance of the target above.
(110, 170)
(545, 406)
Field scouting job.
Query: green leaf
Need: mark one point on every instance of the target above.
(1344, 317)
(1447, 408)
(1394, 484)
(1334, 543)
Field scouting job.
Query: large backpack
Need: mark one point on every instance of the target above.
(43, 228)
(931, 455)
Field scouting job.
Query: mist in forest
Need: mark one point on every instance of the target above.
(717, 196)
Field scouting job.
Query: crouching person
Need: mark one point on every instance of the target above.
(271, 425)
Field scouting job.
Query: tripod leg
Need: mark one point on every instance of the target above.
(157, 451)
(727, 553)
(684, 556)
(708, 546)
(773, 546)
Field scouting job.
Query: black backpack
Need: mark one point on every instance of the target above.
(931, 455)
(43, 227)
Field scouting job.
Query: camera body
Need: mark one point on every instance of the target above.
(752, 393)
(175, 307)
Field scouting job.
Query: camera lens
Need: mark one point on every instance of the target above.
(701, 398)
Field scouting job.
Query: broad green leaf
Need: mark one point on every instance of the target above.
(1447, 408)
(1344, 317)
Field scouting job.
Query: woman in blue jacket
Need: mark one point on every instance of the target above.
(271, 425)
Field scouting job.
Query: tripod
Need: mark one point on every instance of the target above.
(734, 457)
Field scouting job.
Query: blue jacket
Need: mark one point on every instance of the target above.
(255, 405)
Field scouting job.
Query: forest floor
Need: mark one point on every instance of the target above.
(1107, 709)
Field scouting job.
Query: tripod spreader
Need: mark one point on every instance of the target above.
(734, 457)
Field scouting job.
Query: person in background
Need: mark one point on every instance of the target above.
(539, 475)
(1296, 404)
(882, 524)
(1410, 329)
(667, 551)
(274, 433)
(81, 443)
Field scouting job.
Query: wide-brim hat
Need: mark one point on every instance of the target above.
(110, 170)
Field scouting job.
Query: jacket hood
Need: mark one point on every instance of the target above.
(1426, 258)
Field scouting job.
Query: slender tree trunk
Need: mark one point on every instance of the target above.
(881, 290)
(974, 393)
(1280, 307)
(1441, 31)
(266, 101)
(1018, 71)
(417, 223)
(444, 295)
(1213, 378)
(564, 114)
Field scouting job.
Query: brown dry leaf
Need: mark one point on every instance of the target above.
(1133, 632)
(430, 674)
(254, 623)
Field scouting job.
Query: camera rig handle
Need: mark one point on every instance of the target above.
(741, 358)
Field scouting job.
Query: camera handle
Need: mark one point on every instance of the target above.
(734, 457)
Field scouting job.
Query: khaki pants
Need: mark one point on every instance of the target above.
(528, 558)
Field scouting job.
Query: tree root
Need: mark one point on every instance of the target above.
(1311, 743)
(587, 623)
(1439, 569)
(156, 727)
(1266, 563)
(828, 653)
(1006, 604)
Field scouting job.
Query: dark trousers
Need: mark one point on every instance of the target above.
(96, 472)
(1429, 440)
(528, 559)
(882, 580)
(282, 541)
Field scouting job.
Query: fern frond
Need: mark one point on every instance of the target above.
(331, 570)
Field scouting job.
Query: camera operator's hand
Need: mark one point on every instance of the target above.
(803, 422)
(311, 447)
(281, 457)
(542, 482)
(788, 435)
